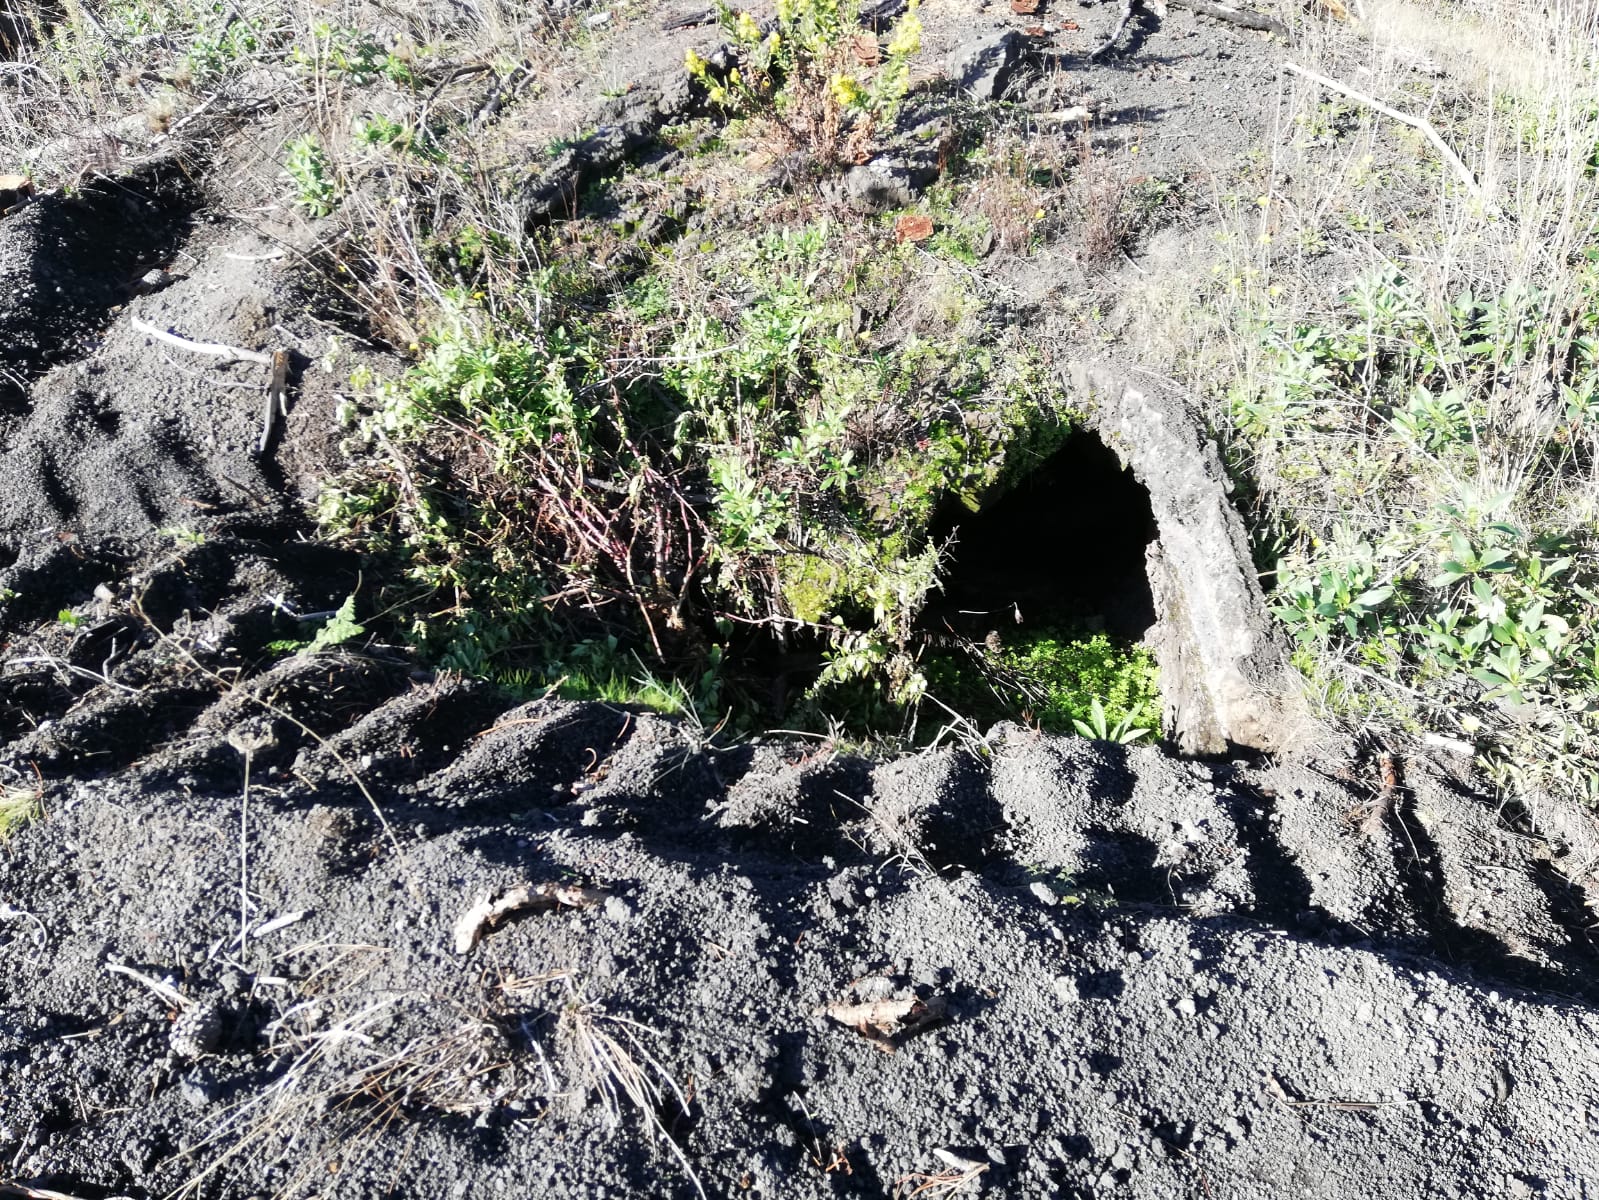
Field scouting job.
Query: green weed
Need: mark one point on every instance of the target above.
(1063, 683)
(18, 806)
(307, 165)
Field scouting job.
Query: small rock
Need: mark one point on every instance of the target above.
(199, 1088)
(1187, 1006)
(884, 183)
(198, 1030)
(1503, 1084)
(1044, 894)
(983, 66)
(618, 910)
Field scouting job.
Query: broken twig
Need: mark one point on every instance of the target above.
(277, 397)
(163, 991)
(1115, 34)
(214, 349)
(1274, 1088)
(491, 910)
(1465, 173)
(1244, 17)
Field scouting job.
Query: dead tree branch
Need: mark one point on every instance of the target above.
(1234, 16)
(1115, 34)
(215, 349)
(1464, 172)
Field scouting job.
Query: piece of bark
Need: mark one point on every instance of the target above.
(491, 909)
(887, 1023)
(1244, 17)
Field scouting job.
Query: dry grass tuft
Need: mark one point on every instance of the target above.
(616, 1063)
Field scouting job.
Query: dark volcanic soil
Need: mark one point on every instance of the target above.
(229, 956)
(1160, 978)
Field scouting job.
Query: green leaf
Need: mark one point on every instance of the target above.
(340, 628)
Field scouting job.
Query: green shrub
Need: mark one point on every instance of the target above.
(818, 71)
(1431, 601)
(771, 470)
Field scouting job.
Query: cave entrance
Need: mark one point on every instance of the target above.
(1064, 547)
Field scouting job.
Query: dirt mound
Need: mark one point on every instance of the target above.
(1149, 975)
(1144, 974)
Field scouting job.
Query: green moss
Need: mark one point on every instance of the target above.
(811, 586)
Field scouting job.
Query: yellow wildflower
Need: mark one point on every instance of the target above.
(746, 29)
(907, 39)
(846, 90)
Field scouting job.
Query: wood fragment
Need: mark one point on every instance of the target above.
(17, 1191)
(1076, 114)
(214, 349)
(1383, 803)
(491, 909)
(1115, 34)
(887, 1023)
(277, 398)
(1464, 172)
(277, 923)
(1243, 17)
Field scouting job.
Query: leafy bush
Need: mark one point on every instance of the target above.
(1441, 571)
(560, 478)
(822, 75)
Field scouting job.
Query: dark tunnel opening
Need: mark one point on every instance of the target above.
(1064, 547)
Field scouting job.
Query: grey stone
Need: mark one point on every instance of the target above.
(199, 1088)
(884, 183)
(983, 66)
(1223, 661)
(618, 910)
